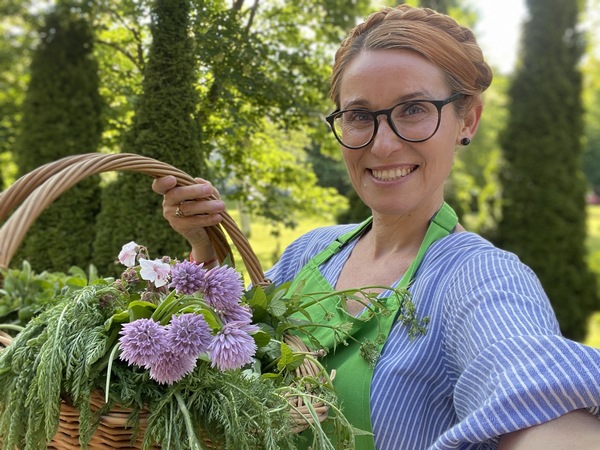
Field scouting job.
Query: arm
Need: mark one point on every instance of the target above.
(513, 369)
(577, 430)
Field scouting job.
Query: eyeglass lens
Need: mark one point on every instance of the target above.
(412, 121)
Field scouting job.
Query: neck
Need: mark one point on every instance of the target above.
(399, 234)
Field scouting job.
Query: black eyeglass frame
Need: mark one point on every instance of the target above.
(439, 104)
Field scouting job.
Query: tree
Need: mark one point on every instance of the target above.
(543, 211)
(16, 43)
(265, 65)
(61, 116)
(163, 128)
(591, 67)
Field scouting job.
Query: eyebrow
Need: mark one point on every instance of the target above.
(418, 95)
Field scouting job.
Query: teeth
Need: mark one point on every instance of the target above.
(393, 174)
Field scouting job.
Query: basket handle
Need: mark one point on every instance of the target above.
(39, 188)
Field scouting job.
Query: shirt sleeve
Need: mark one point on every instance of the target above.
(512, 368)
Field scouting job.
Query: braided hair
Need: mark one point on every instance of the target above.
(437, 37)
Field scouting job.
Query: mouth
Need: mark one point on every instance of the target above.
(392, 174)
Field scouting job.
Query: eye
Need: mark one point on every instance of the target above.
(412, 110)
(356, 116)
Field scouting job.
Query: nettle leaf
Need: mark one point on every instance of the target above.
(277, 307)
(289, 360)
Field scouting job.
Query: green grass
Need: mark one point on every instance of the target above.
(593, 247)
(267, 241)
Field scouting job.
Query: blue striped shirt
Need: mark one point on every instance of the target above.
(493, 360)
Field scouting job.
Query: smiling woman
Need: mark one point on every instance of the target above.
(483, 357)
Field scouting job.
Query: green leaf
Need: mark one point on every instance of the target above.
(261, 338)
(289, 360)
(258, 299)
(117, 319)
(271, 376)
(140, 309)
(277, 307)
(210, 318)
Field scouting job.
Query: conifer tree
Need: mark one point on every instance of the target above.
(61, 117)
(543, 213)
(163, 128)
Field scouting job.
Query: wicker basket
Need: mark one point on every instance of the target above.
(33, 192)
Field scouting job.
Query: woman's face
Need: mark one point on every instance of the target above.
(393, 176)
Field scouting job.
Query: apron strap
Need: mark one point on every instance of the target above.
(340, 242)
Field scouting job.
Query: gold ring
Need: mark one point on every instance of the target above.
(179, 213)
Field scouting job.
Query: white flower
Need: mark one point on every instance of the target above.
(128, 254)
(156, 271)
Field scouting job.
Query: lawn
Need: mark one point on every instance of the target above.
(269, 241)
(593, 247)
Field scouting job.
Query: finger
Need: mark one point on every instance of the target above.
(201, 207)
(191, 193)
(164, 184)
(214, 192)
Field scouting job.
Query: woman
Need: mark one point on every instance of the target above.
(492, 371)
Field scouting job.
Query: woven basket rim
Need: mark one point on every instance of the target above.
(35, 191)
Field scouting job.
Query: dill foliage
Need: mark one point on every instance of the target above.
(55, 354)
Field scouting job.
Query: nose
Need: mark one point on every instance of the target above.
(385, 141)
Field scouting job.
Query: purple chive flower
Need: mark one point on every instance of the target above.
(142, 341)
(236, 313)
(223, 287)
(171, 367)
(189, 334)
(232, 347)
(187, 277)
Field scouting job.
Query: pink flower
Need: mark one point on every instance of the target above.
(128, 254)
(156, 271)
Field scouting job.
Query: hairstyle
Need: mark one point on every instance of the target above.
(437, 37)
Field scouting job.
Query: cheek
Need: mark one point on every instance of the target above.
(353, 164)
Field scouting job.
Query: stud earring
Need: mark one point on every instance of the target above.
(465, 141)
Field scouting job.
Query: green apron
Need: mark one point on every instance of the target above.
(353, 372)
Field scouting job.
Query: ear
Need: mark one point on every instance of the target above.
(471, 122)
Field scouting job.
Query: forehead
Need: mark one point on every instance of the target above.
(386, 76)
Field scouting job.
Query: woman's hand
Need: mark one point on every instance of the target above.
(189, 210)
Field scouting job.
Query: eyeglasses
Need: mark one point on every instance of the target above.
(412, 121)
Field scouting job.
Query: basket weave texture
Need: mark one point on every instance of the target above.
(26, 199)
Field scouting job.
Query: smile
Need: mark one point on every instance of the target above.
(392, 174)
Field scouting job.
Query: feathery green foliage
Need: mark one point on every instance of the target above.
(40, 361)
